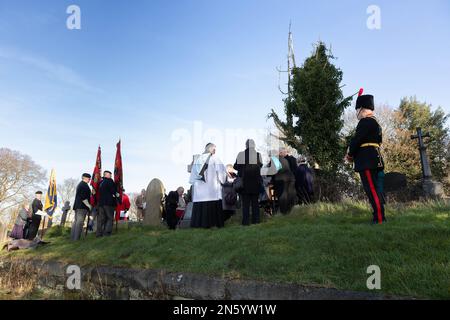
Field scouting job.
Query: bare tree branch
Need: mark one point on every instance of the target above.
(19, 176)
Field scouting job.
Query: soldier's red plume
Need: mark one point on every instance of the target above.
(360, 92)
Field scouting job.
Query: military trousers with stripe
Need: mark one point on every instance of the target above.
(371, 186)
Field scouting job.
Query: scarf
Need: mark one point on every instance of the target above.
(199, 167)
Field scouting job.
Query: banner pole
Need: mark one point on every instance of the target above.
(42, 230)
(87, 224)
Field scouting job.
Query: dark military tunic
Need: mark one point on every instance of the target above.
(367, 131)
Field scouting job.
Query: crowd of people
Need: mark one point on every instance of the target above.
(217, 189)
(100, 216)
(217, 192)
(109, 206)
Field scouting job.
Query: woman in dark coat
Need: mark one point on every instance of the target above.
(171, 204)
(248, 164)
(304, 182)
(22, 217)
(284, 184)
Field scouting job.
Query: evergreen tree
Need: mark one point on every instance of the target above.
(314, 109)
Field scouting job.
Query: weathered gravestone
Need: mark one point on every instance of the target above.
(186, 221)
(154, 207)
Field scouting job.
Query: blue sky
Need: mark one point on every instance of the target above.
(151, 72)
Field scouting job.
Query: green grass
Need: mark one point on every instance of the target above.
(323, 244)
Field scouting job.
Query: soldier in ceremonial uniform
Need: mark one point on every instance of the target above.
(364, 151)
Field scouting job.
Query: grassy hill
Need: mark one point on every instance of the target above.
(323, 244)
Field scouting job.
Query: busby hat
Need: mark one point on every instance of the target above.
(365, 101)
(86, 175)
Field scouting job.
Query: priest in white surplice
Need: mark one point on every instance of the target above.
(207, 175)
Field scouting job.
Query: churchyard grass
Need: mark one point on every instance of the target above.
(322, 244)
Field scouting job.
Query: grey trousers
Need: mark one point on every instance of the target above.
(77, 226)
(105, 220)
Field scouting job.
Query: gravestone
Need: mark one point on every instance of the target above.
(154, 197)
(432, 188)
(186, 221)
(394, 181)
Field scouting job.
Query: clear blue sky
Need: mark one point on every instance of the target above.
(146, 70)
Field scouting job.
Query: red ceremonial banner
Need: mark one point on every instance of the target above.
(118, 173)
(96, 178)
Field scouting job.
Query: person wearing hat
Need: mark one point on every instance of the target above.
(106, 205)
(364, 151)
(35, 220)
(81, 206)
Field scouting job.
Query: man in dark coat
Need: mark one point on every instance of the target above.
(106, 205)
(364, 150)
(35, 220)
(248, 165)
(81, 206)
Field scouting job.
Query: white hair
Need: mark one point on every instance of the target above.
(209, 147)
